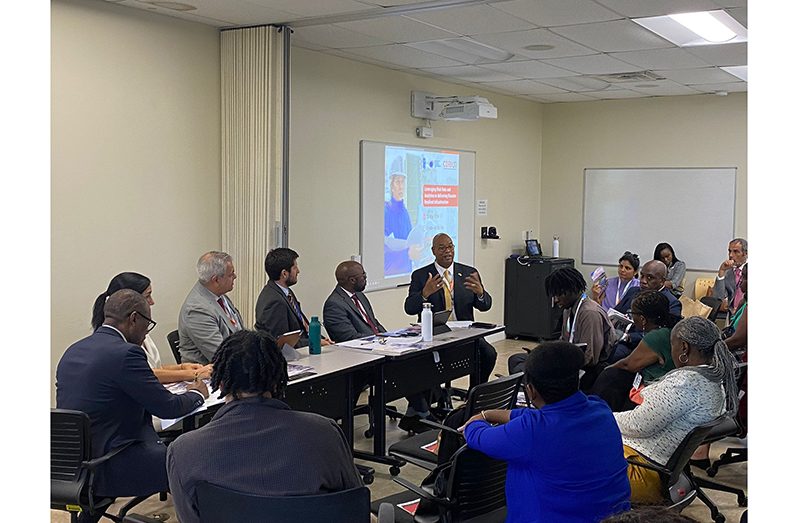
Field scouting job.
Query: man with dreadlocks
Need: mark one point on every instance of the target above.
(255, 443)
(698, 390)
(583, 321)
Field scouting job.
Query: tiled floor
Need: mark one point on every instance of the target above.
(383, 486)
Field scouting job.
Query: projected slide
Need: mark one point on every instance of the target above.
(421, 200)
(408, 195)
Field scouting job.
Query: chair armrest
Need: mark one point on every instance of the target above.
(650, 466)
(96, 462)
(439, 426)
(415, 489)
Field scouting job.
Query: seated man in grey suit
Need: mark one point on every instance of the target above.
(259, 445)
(208, 316)
(727, 283)
(277, 310)
(106, 375)
(347, 312)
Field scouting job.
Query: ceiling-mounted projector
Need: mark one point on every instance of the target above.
(432, 107)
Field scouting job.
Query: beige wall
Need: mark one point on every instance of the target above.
(679, 131)
(338, 102)
(135, 159)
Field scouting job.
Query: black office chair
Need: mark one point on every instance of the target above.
(221, 505)
(473, 491)
(496, 394)
(72, 471)
(174, 343)
(714, 303)
(679, 486)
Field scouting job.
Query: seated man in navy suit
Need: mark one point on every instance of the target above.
(447, 285)
(106, 375)
(652, 278)
(347, 312)
(257, 444)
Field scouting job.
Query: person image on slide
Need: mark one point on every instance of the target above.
(398, 251)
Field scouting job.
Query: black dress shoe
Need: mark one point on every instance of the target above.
(413, 424)
(703, 464)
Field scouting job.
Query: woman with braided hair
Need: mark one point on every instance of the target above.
(255, 443)
(651, 358)
(701, 388)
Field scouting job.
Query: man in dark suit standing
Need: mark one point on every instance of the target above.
(277, 310)
(259, 445)
(347, 312)
(106, 375)
(449, 286)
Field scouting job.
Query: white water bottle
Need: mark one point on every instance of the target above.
(555, 247)
(426, 322)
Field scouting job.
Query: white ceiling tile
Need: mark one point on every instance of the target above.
(578, 83)
(364, 59)
(234, 12)
(530, 69)
(524, 87)
(740, 14)
(614, 94)
(722, 55)
(389, 3)
(335, 37)
(660, 88)
(561, 97)
(547, 13)
(471, 73)
(307, 45)
(308, 8)
(473, 20)
(732, 3)
(403, 56)
(397, 29)
(620, 35)
(640, 8)
(594, 64)
(706, 75)
(515, 42)
(672, 58)
(731, 87)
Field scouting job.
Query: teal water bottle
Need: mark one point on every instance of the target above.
(314, 335)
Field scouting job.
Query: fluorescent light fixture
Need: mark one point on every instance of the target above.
(463, 49)
(694, 29)
(740, 71)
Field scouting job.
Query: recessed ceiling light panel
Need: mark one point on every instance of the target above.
(740, 71)
(694, 29)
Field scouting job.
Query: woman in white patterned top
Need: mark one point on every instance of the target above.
(701, 388)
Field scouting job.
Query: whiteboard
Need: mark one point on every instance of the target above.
(635, 209)
(438, 197)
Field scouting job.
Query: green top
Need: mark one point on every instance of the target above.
(738, 314)
(660, 342)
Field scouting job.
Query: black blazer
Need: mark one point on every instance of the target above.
(109, 379)
(273, 313)
(465, 301)
(343, 320)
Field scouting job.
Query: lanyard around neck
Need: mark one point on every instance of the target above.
(572, 324)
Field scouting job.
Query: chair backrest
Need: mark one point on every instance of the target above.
(496, 394)
(174, 343)
(221, 505)
(688, 446)
(475, 484)
(701, 286)
(70, 445)
(714, 304)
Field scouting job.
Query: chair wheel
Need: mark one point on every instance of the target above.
(742, 501)
(720, 518)
(712, 471)
(368, 480)
(368, 433)
(394, 470)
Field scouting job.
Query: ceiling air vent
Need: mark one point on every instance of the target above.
(637, 76)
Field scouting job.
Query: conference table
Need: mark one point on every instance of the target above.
(341, 373)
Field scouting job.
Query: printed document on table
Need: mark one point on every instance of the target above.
(181, 388)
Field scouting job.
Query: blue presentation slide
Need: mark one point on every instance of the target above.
(421, 200)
